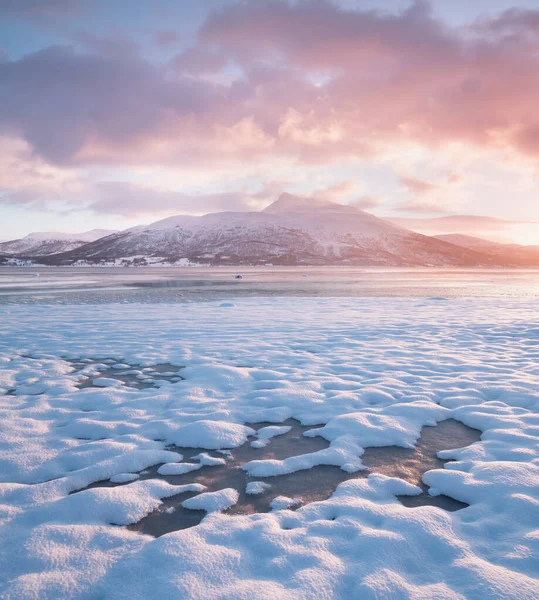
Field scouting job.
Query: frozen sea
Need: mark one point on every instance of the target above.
(294, 434)
(162, 284)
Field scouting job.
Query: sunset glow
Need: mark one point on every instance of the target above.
(269, 279)
(117, 116)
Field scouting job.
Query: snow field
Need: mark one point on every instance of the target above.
(361, 372)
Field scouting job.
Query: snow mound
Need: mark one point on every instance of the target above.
(212, 435)
(213, 501)
(283, 502)
(207, 460)
(265, 434)
(178, 468)
(343, 452)
(372, 429)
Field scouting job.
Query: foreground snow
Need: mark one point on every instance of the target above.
(362, 372)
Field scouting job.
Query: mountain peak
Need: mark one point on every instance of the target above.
(290, 203)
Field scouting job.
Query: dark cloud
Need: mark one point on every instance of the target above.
(60, 100)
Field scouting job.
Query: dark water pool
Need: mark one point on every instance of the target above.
(311, 485)
(89, 371)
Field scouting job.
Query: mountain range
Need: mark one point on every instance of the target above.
(45, 243)
(291, 231)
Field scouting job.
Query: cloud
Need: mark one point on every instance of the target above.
(342, 192)
(166, 37)
(420, 205)
(306, 81)
(391, 77)
(429, 197)
(418, 186)
(41, 8)
(197, 61)
(131, 200)
(89, 98)
(336, 191)
(367, 202)
(501, 230)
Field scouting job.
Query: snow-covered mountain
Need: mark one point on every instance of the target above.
(42, 243)
(291, 231)
(510, 254)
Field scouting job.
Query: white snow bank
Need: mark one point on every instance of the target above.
(283, 502)
(265, 434)
(343, 452)
(210, 434)
(178, 468)
(207, 460)
(213, 501)
(389, 426)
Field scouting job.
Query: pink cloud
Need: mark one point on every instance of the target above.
(418, 186)
(314, 83)
(500, 230)
(367, 202)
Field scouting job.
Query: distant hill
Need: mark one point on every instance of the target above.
(42, 243)
(511, 254)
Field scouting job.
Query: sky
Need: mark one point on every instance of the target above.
(115, 113)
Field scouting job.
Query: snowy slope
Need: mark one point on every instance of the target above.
(41, 243)
(510, 253)
(291, 231)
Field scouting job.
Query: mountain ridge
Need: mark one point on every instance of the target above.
(43, 243)
(290, 231)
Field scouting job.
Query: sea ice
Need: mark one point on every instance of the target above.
(254, 488)
(106, 382)
(124, 477)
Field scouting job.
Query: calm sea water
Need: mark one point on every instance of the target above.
(175, 284)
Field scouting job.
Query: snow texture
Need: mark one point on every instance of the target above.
(360, 372)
